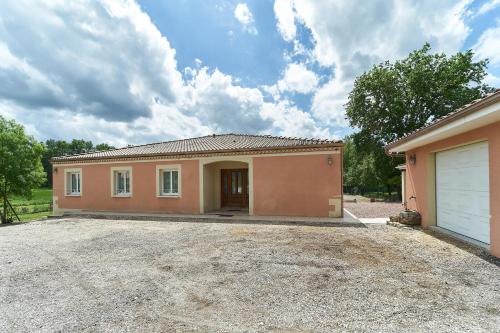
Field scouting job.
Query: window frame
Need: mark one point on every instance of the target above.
(160, 169)
(68, 190)
(114, 184)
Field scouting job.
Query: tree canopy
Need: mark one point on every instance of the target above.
(20, 162)
(392, 100)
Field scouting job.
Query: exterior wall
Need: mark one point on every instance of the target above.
(420, 178)
(301, 185)
(96, 189)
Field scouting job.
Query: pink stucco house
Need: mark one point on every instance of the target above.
(452, 173)
(261, 175)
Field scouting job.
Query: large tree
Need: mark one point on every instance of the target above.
(367, 167)
(359, 168)
(394, 99)
(20, 163)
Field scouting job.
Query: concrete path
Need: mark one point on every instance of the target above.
(347, 220)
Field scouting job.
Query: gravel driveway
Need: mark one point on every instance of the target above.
(373, 209)
(104, 275)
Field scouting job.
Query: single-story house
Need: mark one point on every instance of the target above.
(262, 175)
(452, 174)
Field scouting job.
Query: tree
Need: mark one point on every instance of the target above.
(359, 168)
(394, 99)
(60, 147)
(20, 165)
(103, 147)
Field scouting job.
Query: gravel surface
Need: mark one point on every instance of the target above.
(373, 209)
(123, 276)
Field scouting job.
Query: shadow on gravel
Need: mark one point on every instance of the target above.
(463, 245)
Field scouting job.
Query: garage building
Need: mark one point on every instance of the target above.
(452, 173)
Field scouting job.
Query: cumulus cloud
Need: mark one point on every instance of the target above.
(291, 121)
(487, 7)
(101, 70)
(297, 78)
(328, 103)
(361, 36)
(285, 15)
(488, 45)
(245, 17)
(218, 102)
(88, 57)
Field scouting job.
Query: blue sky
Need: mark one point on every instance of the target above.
(128, 72)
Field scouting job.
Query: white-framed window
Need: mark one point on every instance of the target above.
(121, 181)
(168, 180)
(73, 182)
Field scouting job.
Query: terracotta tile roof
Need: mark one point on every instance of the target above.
(205, 144)
(465, 110)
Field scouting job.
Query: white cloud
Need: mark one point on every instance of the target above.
(492, 80)
(111, 76)
(379, 29)
(349, 38)
(216, 101)
(488, 46)
(219, 103)
(328, 102)
(487, 7)
(297, 78)
(285, 15)
(291, 121)
(245, 17)
(106, 59)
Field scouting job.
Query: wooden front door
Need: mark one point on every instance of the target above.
(234, 188)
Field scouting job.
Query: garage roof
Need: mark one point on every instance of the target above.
(206, 144)
(478, 113)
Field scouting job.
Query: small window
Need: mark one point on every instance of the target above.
(73, 182)
(169, 184)
(121, 185)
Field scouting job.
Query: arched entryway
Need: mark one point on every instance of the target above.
(226, 185)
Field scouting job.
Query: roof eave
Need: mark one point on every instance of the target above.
(480, 114)
(221, 151)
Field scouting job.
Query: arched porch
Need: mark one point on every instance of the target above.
(226, 184)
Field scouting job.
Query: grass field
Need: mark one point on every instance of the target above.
(36, 207)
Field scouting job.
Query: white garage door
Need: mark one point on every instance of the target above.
(462, 191)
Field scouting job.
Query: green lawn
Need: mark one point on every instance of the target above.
(36, 207)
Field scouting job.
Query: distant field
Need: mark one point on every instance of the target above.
(36, 207)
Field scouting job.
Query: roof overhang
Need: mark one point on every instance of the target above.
(178, 155)
(464, 123)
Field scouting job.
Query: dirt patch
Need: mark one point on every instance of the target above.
(242, 232)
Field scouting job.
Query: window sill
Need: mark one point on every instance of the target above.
(122, 195)
(73, 195)
(169, 196)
